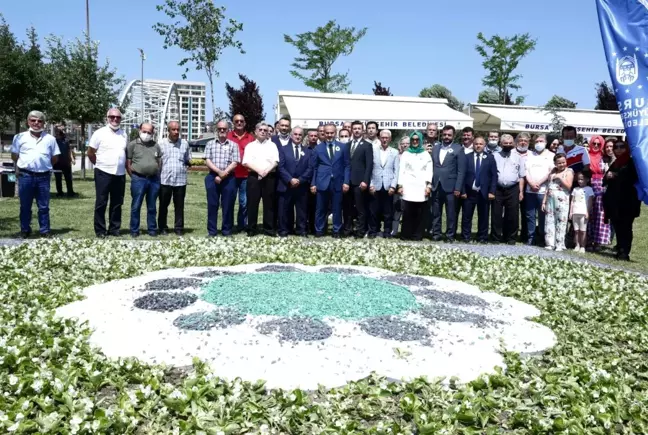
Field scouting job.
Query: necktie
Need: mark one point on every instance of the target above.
(477, 169)
(354, 144)
(330, 148)
(296, 152)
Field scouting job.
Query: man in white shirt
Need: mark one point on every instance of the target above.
(261, 159)
(107, 152)
(539, 164)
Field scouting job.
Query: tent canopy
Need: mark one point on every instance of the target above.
(311, 109)
(537, 119)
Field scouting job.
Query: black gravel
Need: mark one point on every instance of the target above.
(275, 268)
(214, 274)
(340, 270)
(392, 328)
(172, 284)
(297, 329)
(408, 280)
(165, 301)
(202, 321)
(444, 313)
(452, 298)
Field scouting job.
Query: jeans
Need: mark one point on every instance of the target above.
(32, 187)
(108, 186)
(241, 215)
(149, 188)
(533, 205)
(223, 194)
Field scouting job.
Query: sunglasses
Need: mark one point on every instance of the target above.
(263, 129)
(39, 121)
(238, 121)
(117, 118)
(221, 129)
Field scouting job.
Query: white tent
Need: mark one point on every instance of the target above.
(311, 109)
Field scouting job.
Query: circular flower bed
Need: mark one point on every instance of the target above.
(52, 380)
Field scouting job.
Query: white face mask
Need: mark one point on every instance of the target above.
(36, 130)
(492, 144)
(146, 137)
(344, 139)
(568, 142)
(523, 149)
(540, 147)
(113, 127)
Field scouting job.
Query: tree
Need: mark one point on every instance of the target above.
(84, 89)
(319, 50)
(200, 32)
(501, 58)
(440, 91)
(246, 101)
(605, 98)
(380, 90)
(559, 102)
(490, 96)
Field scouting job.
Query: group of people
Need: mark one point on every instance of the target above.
(302, 178)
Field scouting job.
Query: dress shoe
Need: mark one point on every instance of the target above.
(436, 238)
(46, 235)
(25, 235)
(164, 233)
(337, 236)
(179, 233)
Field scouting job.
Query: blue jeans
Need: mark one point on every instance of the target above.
(241, 216)
(223, 194)
(149, 188)
(32, 187)
(533, 206)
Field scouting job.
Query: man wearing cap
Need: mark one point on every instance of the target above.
(34, 152)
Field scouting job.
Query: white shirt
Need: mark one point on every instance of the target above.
(580, 198)
(481, 156)
(110, 149)
(442, 153)
(468, 150)
(376, 142)
(538, 166)
(261, 155)
(383, 156)
(35, 153)
(283, 141)
(414, 173)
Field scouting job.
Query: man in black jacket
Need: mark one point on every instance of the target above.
(356, 200)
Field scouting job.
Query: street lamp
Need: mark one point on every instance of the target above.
(143, 56)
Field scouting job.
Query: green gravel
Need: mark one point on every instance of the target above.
(315, 295)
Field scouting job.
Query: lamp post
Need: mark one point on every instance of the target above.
(143, 56)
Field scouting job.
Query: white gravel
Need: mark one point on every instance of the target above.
(462, 350)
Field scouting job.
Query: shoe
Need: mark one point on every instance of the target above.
(450, 240)
(467, 241)
(164, 233)
(337, 236)
(484, 242)
(283, 235)
(101, 236)
(319, 235)
(549, 248)
(153, 234)
(211, 236)
(114, 235)
(179, 233)
(511, 242)
(560, 249)
(304, 235)
(60, 195)
(45, 235)
(436, 238)
(134, 235)
(72, 195)
(577, 249)
(582, 250)
(387, 236)
(369, 236)
(25, 235)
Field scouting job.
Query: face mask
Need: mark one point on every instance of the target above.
(540, 147)
(492, 144)
(35, 130)
(507, 150)
(523, 149)
(114, 128)
(568, 142)
(146, 137)
(344, 139)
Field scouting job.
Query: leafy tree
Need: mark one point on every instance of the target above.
(84, 89)
(246, 101)
(319, 50)
(378, 89)
(501, 57)
(200, 32)
(440, 91)
(559, 102)
(490, 96)
(605, 98)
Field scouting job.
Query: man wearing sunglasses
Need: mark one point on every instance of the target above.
(34, 152)
(107, 152)
(241, 137)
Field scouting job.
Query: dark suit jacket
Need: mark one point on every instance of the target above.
(361, 162)
(290, 168)
(276, 141)
(487, 174)
(452, 172)
(327, 172)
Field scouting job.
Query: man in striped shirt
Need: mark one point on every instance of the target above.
(577, 156)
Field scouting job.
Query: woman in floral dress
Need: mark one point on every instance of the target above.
(556, 204)
(599, 231)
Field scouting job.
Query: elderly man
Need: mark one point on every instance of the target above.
(509, 192)
(107, 152)
(331, 175)
(176, 157)
(480, 184)
(539, 164)
(311, 142)
(261, 159)
(34, 152)
(143, 156)
(347, 125)
(241, 137)
(295, 174)
(522, 149)
(65, 162)
(222, 157)
(384, 179)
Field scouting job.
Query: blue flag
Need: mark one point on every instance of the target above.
(624, 29)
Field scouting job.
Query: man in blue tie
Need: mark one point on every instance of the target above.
(480, 184)
(331, 174)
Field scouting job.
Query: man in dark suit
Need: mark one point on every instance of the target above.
(295, 175)
(449, 161)
(331, 174)
(282, 138)
(480, 184)
(356, 201)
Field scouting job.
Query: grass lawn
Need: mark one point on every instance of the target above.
(74, 218)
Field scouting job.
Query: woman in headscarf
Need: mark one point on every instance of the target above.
(620, 200)
(553, 142)
(414, 186)
(599, 231)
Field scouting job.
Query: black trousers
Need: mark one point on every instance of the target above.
(355, 204)
(398, 212)
(413, 220)
(312, 206)
(475, 199)
(66, 172)
(441, 198)
(623, 228)
(178, 194)
(506, 213)
(382, 209)
(108, 187)
(256, 191)
(523, 222)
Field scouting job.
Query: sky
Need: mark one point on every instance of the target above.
(409, 45)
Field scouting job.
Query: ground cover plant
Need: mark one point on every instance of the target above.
(593, 381)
